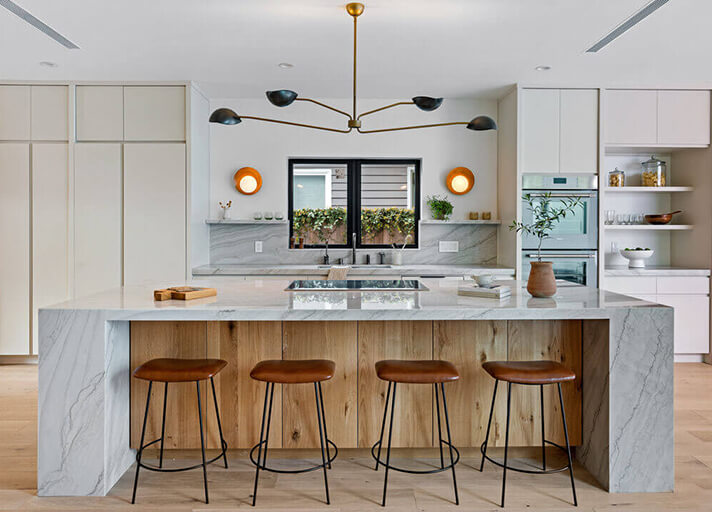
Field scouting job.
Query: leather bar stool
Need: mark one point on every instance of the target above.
(277, 371)
(416, 372)
(178, 370)
(529, 373)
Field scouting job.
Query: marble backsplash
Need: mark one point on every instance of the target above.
(235, 244)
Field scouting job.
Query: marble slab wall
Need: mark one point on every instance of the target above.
(234, 244)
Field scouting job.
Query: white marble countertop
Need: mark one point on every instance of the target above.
(266, 300)
(375, 270)
(623, 270)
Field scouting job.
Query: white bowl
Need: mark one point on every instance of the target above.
(636, 259)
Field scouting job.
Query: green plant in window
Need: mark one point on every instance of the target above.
(440, 207)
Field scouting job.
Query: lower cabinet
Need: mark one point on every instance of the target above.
(688, 295)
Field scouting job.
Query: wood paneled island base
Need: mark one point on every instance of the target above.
(354, 398)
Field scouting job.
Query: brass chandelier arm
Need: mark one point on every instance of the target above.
(296, 124)
(354, 92)
(412, 127)
(384, 108)
(325, 106)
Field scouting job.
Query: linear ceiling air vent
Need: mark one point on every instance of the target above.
(42, 27)
(628, 24)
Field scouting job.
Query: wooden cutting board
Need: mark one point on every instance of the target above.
(184, 293)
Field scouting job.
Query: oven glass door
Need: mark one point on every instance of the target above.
(577, 231)
(579, 268)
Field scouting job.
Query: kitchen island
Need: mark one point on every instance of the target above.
(621, 405)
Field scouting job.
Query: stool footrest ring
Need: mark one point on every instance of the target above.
(529, 471)
(294, 471)
(417, 471)
(151, 467)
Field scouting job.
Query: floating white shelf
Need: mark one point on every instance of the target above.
(464, 221)
(649, 227)
(245, 221)
(649, 189)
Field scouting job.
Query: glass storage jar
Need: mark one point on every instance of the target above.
(616, 178)
(653, 173)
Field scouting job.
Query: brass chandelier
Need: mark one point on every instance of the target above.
(285, 97)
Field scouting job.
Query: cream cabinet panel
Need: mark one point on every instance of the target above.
(692, 316)
(14, 249)
(540, 130)
(578, 140)
(684, 285)
(684, 117)
(154, 113)
(631, 117)
(154, 213)
(49, 112)
(100, 113)
(97, 217)
(631, 285)
(14, 112)
(50, 228)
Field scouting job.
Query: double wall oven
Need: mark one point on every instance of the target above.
(573, 244)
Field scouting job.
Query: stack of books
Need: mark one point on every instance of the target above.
(494, 291)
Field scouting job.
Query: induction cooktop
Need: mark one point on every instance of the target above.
(358, 285)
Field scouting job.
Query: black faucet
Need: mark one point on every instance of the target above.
(353, 248)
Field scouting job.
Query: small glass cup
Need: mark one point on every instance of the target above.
(278, 215)
(620, 218)
(639, 218)
(609, 217)
(269, 215)
(257, 216)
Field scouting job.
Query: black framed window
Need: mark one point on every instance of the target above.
(332, 199)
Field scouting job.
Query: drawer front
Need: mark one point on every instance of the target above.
(684, 285)
(631, 285)
(692, 316)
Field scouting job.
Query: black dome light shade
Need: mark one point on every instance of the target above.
(225, 116)
(281, 98)
(481, 123)
(427, 103)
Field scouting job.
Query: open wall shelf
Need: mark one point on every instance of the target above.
(659, 190)
(649, 227)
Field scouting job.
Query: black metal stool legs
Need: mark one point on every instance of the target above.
(163, 423)
(143, 434)
(268, 395)
(323, 417)
(383, 426)
(217, 416)
(506, 442)
(543, 430)
(202, 441)
(388, 452)
(449, 442)
(568, 446)
(319, 419)
(440, 431)
(489, 424)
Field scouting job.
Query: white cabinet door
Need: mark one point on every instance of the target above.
(684, 117)
(49, 112)
(50, 228)
(631, 117)
(14, 249)
(579, 131)
(154, 113)
(692, 316)
(633, 286)
(97, 217)
(14, 112)
(154, 213)
(540, 130)
(100, 113)
(684, 285)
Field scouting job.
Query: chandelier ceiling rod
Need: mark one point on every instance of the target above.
(285, 97)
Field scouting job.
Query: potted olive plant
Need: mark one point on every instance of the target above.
(542, 282)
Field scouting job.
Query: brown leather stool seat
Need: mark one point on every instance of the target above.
(179, 370)
(293, 372)
(416, 372)
(529, 372)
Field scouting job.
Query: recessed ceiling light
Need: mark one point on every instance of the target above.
(543, 68)
(285, 65)
(48, 64)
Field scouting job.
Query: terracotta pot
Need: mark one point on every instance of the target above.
(542, 282)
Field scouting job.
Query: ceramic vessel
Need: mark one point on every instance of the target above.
(636, 259)
(542, 282)
(397, 257)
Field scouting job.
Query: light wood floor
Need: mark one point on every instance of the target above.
(354, 485)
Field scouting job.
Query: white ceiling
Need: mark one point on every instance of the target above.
(451, 48)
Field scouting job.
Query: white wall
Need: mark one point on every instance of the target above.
(267, 146)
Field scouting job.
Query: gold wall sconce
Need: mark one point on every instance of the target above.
(247, 181)
(460, 180)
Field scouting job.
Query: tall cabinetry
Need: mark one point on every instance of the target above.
(34, 208)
